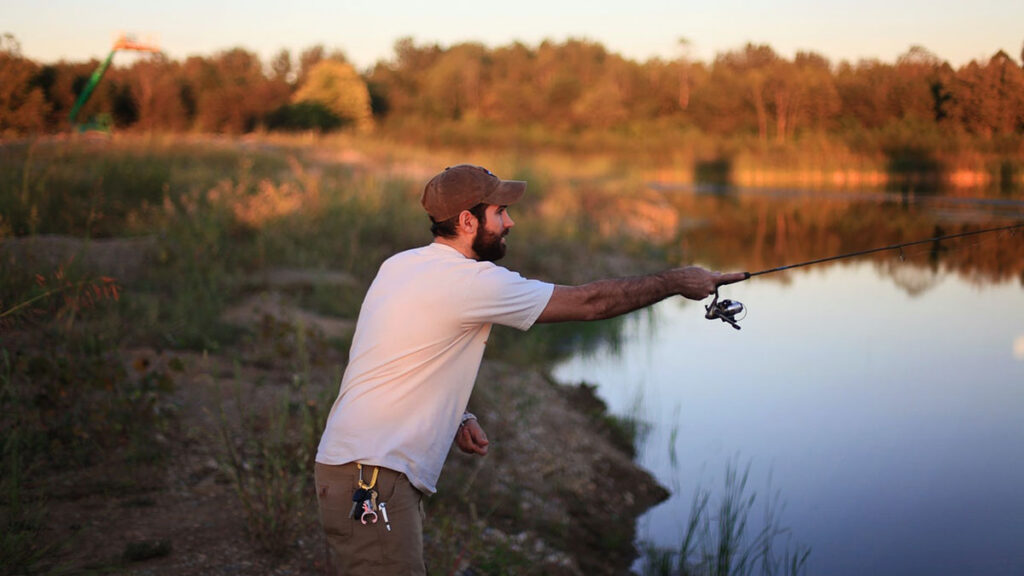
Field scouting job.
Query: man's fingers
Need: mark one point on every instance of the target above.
(480, 441)
(481, 438)
(731, 278)
(478, 445)
(463, 441)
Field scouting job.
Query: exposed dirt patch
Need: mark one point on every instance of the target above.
(121, 258)
(252, 310)
(284, 278)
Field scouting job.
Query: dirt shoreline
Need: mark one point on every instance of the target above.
(556, 491)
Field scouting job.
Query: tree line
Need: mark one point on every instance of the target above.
(560, 87)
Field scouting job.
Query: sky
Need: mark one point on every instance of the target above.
(366, 30)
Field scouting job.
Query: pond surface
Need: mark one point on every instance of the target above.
(880, 399)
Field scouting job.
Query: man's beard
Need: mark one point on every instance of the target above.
(487, 245)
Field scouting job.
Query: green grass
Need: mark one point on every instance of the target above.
(23, 514)
(267, 451)
(103, 189)
(720, 539)
(215, 214)
(268, 469)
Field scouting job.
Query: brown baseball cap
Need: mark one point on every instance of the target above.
(461, 187)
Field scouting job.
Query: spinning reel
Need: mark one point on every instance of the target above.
(726, 311)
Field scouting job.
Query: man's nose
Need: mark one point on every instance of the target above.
(508, 221)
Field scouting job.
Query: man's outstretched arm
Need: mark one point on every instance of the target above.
(615, 296)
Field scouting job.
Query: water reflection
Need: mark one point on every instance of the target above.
(888, 419)
(757, 229)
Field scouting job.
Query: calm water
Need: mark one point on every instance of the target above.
(885, 408)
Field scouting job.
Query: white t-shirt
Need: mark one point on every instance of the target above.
(415, 355)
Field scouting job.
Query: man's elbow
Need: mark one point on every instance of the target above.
(596, 307)
(601, 310)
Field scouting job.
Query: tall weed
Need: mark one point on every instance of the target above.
(268, 453)
(719, 542)
(24, 547)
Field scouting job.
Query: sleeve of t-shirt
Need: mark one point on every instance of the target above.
(501, 296)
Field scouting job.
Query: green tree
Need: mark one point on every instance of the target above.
(663, 93)
(281, 66)
(399, 84)
(230, 91)
(605, 101)
(70, 79)
(917, 89)
(156, 86)
(989, 99)
(338, 87)
(805, 95)
(510, 96)
(572, 71)
(737, 94)
(308, 59)
(453, 87)
(23, 107)
(863, 90)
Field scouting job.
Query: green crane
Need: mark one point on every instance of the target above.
(123, 43)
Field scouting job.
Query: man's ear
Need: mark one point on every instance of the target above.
(468, 221)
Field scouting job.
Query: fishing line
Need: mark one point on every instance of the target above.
(883, 249)
(947, 251)
(727, 310)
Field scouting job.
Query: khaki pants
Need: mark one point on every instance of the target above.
(371, 549)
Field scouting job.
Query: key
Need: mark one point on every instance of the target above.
(373, 499)
(384, 512)
(358, 497)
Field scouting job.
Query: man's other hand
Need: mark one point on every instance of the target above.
(471, 438)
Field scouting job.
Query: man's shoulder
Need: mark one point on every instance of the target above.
(428, 253)
(440, 259)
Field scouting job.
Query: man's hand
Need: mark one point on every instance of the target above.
(471, 438)
(697, 283)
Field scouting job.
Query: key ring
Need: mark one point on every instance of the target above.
(368, 512)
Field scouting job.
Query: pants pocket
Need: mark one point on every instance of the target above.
(334, 499)
(402, 545)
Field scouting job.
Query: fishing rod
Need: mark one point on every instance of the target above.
(727, 310)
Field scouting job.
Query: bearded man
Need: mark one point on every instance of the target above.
(416, 351)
